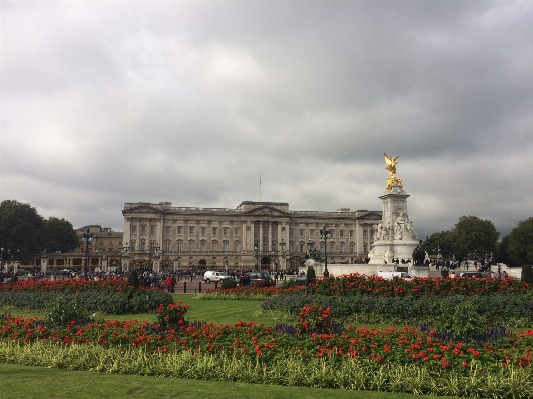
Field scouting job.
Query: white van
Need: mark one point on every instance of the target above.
(391, 275)
(215, 277)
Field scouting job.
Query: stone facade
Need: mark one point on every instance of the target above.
(267, 235)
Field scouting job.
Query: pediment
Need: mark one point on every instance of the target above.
(371, 215)
(266, 210)
(143, 209)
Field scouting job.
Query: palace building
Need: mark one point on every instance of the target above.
(265, 235)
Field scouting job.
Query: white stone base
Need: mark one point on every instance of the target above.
(337, 270)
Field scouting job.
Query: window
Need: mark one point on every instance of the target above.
(202, 246)
(143, 245)
(152, 245)
(312, 233)
(214, 232)
(236, 232)
(291, 247)
(237, 247)
(143, 229)
(352, 248)
(322, 246)
(274, 247)
(214, 246)
(301, 247)
(202, 231)
(364, 234)
(191, 230)
(331, 247)
(341, 233)
(291, 232)
(167, 230)
(301, 233)
(180, 230)
(101, 243)
(133, 229)
(351, 233)
(110, 242)
(265, 247)
(226, 247)
(180, 246)
(132, 246)
(226, 231)
(191, 246)
(152, 229)
(167, 247)
(342, 248)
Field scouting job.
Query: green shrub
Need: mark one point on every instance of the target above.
(527, 274)
(228, 284)
(133, 279)
(463, 320)
(63, 310)
(13, 278)
(311, 275)
(288, 283)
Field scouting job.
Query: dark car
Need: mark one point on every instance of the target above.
(260, 278)
(300, 279)
(472, 275)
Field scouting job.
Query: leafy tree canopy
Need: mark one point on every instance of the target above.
(520, 244)
(21, 228)
(473, 234)
(442, 240)
(59, 235)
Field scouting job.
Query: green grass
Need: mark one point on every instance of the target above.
(26, 382)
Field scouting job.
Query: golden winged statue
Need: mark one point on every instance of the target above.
(391, 167)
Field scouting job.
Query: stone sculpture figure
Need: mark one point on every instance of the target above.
(402, 226)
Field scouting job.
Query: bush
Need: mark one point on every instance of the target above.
(62, 311)
(173, 315)
(311, 275)
(13, 278)
(228, 284)
(133, 279)
(527, 274)
(288, 283)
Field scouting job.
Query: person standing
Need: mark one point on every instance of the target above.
(168, 283)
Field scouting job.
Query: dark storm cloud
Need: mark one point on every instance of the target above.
(110, 102)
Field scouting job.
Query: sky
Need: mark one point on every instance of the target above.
(212, 103)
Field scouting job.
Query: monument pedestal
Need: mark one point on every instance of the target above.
(395, 236)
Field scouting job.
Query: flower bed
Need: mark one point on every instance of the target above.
(107, 296)
(400, 360)
(511, 310)
(362, 285)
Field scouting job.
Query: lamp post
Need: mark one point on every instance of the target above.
(226, 262)
(87, 238)
(325, 234)
(125, 258)
(256, 249)
(5, 255)
(282, 254)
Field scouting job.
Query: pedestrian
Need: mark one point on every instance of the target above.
(168, 283)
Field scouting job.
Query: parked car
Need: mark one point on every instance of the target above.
(300, 279)
(215, 277)
(260, 278)
(391, 275)
(472, 275)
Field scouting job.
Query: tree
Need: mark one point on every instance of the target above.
(21, 228)
(442, 240)
(59, 235)
(473, 234)
(520, 247)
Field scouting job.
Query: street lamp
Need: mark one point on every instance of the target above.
(256, 249)
(87, 238)
(282, 253)
(226, 262)
(325, 234)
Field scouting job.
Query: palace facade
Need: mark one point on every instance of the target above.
(265, 235)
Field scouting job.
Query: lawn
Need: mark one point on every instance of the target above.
(26, 382)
